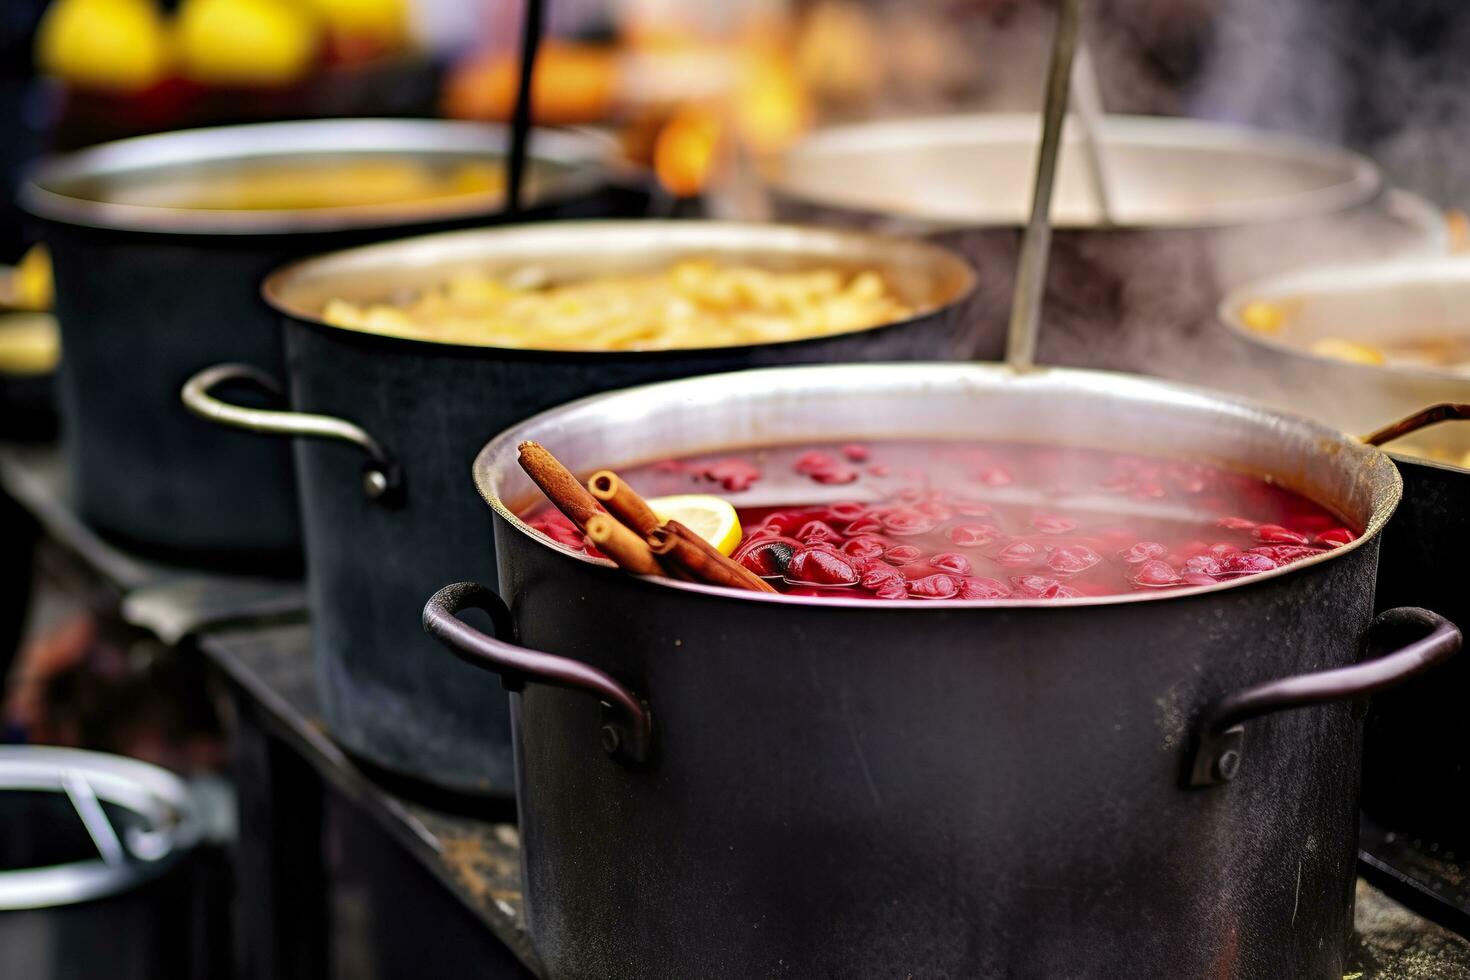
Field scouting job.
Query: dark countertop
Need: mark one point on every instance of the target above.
(170, 601)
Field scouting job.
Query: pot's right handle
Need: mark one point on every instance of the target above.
(1220, 742)
(382, 477)
(628, 732)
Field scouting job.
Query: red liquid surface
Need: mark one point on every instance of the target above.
(966, 520)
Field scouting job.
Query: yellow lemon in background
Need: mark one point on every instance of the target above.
(385, 21)
(712, 518)
(247, 42)
(31, 286)
(121, 45)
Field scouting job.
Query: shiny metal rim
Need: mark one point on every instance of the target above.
(125, 861)
(524, 243)
(588, 157)
(1379, 472)
(1361, 181)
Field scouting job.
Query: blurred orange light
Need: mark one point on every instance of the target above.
(684, 153)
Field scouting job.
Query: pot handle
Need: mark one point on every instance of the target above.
(627, 731)
(1219, 745)
(382, 476)
(1443, 412)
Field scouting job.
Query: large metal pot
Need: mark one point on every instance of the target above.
(1196, 207)
(146, 294)
(1417, 763)
(387, 508)
(93, 850)
(828, 787)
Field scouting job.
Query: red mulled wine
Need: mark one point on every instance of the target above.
(969, 520)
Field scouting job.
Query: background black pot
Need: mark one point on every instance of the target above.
(397, 514)
(1196, 208)
(938, 789)
(1417, 759)
(146, 294)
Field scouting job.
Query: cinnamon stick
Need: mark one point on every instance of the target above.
(627, 549)
(676, 545)
(560, 487)
(623, 502)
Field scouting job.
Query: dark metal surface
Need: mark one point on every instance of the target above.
(140, 312)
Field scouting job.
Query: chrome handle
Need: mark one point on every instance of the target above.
(1220, 744)
(382, 477)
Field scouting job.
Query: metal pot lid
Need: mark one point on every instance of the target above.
(78, 188)
(159, 823)
(1381, 304)
(926, 276)
(976, 170)
(1053, 406)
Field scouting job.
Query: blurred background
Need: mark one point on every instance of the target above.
(698, 93)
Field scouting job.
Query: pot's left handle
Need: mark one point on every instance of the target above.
(627, 733)
(1219, 745)
(382, 476)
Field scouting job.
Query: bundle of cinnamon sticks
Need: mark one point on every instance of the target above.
(621, 524)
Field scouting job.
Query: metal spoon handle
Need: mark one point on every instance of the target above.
(1036, 244)
(520, 123)
(1088, 110)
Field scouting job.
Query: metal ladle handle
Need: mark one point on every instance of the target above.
(382, 476)
(627, 733)
(1444, 412)
(1220, 744)
(1021, 337)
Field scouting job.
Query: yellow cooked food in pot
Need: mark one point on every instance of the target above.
(310, 184)
(693, 303)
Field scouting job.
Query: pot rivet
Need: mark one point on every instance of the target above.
(611, 739)
(1228, 765)
(374, 484)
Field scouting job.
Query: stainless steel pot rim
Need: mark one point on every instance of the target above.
(587, 157)
(1347, 277)
(696, 237)
(153, 793)
(1363, 180)
(1097, 381)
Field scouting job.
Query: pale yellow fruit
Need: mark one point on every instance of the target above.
(712, 518)
(120, 45)
(247, 42)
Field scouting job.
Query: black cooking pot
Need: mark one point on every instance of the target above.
(1194, 208)
(395, 514)
(1094, 787)
(148, 291)
(1416, 760)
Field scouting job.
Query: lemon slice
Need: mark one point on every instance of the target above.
(712, 518)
